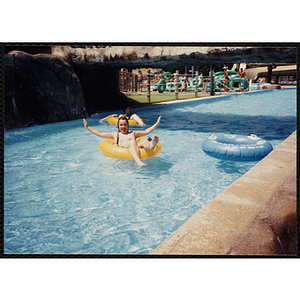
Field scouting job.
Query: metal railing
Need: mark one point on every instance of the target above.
(174, 83)
(128, 81)
(226, 87)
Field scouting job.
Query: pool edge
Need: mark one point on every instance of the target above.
(256, 215)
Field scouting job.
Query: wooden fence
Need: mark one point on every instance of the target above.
(128, 83)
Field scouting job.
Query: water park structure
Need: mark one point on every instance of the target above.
(235, 83)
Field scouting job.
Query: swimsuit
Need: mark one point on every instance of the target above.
(205, 75)
(122, 139)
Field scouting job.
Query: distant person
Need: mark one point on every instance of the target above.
(184, 83)
(205, 76)
(159, 77)
(174, 77)
(242, 73)
(140, 81)
(225, 82)
(127, 138)
(128, 115)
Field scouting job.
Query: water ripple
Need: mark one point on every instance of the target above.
(63, 196)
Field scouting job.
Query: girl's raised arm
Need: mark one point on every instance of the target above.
(106, 135)
(148, 130)
(106, 118)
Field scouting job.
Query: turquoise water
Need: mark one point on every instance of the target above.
(62, 196)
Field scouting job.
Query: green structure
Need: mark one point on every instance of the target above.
(235, 83)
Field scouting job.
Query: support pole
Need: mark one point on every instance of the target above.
(135, 83)
(132, 82)
(122, 81)
(269, 74)
(176, 85)
(270, 68)
(126, 82)
(212, 82)
(148, 87)
(196, 85)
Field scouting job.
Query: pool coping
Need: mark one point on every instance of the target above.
(217, 96)
(248, 217)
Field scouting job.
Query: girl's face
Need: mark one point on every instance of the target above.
(123, 126)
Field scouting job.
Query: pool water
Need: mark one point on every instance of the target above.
(62, 196)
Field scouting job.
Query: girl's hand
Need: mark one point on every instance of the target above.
(85, 123)
(158, 120)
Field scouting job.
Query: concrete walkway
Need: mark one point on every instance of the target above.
(256, 215)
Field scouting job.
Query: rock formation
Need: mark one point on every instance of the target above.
(40, 89)
(171, 56)
(45, 88)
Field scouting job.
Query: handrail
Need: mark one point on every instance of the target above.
(129, 82)
(227, 87)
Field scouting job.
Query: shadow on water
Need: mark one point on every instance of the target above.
(37, 132)
(232, 167)
(155, 168)
(174, 117)
(267, 127)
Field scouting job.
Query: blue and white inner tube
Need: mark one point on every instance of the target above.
(236, 147)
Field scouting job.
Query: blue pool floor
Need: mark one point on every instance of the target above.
(62, 196)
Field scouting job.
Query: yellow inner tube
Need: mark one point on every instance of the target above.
(108, 147)
(114, 120)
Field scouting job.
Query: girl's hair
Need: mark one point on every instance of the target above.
(122, 118)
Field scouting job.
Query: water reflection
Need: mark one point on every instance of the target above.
(231, 167)
(155, 168)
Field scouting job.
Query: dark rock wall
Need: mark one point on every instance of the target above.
(34, 49)
(100, 88)
(46, 88)
(40, 89)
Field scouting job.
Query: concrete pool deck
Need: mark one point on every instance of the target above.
(256, 215)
